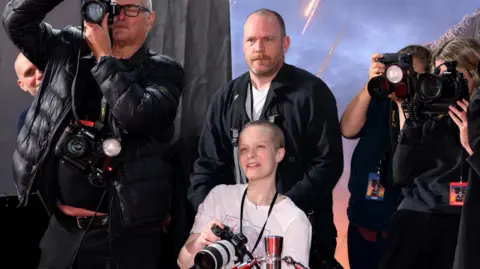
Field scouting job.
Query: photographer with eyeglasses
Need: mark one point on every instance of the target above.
(429, 162)
(95, 142)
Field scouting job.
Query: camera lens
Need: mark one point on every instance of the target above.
(93, 11)
(429, 87)
(76, 146)
(379, 87)
(205, 260)
(215, 256)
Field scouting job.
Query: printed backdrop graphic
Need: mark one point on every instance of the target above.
(333, 39)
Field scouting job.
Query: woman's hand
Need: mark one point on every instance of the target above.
(460, 118)
(207, 237)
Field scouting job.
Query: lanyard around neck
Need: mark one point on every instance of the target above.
(265, 224)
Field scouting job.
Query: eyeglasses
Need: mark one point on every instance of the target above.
(132, 10)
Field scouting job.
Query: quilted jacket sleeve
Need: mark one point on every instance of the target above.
(142, 104)
(23, 23)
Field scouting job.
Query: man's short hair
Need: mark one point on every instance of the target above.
(269, 12)
(277, 133)
(421, 53)
(148, 4)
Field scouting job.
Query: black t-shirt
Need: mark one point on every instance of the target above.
(74, 188)
(375, 135)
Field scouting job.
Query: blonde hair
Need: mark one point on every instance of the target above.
(465, 51)
(277, 134)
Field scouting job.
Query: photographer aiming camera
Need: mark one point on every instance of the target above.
(373, 196)
(254, 209)
(429, 162)
(466, 256)
(95, 142)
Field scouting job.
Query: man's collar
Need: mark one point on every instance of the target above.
(136, 58)
(283, 77)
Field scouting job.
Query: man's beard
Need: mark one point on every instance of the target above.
(264, 71)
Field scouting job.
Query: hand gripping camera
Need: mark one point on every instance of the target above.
(434, 93)
(231, 248)
(94, 10)
(82, 147)
(397, 78)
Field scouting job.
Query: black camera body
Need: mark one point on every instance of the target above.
(238, 240)
(221, 253)
(403, 60)
(84, 149)
(397, 79)
(94, 11)
(434, 93)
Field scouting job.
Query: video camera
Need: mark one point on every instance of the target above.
(94, 11)
(397, 78)
(223, 252)
(84, 149)
(434, 93)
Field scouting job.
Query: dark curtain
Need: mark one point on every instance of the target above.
(197, 34)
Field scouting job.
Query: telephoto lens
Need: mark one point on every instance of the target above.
(216, 255)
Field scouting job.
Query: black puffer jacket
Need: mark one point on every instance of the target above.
(142, 94)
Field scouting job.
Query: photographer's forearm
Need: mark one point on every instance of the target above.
(355, 114)
(190, 249)
(23, 24)
(401, 115)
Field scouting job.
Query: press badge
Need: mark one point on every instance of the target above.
(457, 193)
(375, 190)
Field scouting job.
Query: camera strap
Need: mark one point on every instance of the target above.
(390, 143)
(265, 224)
(463, 163)
(103, 109)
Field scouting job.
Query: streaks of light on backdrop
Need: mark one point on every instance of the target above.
(310, 12)
(332, 49)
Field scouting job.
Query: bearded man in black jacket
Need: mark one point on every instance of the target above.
(107, 214)
(304, 108)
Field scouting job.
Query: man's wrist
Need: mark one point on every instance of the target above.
(104, 57)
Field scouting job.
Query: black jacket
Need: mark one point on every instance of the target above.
(313, 160)
(142, 97)
(466, 256)
(427, 159)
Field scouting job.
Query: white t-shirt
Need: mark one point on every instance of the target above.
(259, 99)
(286, 219)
